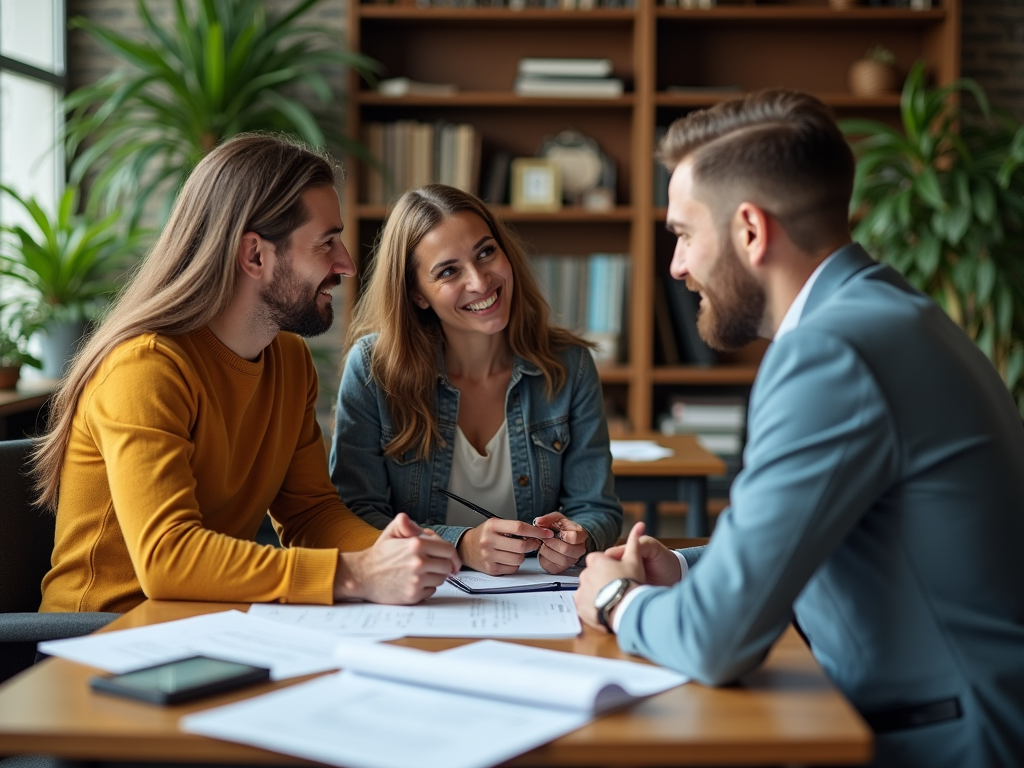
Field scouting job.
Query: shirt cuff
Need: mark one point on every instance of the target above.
(622, 607)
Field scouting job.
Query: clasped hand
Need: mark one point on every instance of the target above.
(499, 547)
(404, 566)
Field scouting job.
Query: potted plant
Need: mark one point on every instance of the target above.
(13, 348)
(222, 69)
(943, 202)
(63, 272)
(875, 73)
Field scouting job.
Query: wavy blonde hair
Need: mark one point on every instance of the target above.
(405, 357)
(250, 183)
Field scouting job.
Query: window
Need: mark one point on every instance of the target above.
(32, 80)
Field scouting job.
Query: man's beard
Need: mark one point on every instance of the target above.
(292, 305)
(734, 302)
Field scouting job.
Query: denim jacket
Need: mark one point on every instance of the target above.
(559, 448)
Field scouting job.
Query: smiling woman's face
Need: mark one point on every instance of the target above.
(464, 276)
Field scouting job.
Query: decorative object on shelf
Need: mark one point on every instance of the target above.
(403, 86)
(536, 185)
(875, 73)
(217, 69)
(843, 5)
(582, 166)
(65, 270)
(942, 200)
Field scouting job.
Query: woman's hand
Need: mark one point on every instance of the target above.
(491, 548)
(566, 547)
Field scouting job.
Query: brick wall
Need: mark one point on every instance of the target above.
(993, 50)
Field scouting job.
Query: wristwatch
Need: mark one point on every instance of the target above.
(608, 597)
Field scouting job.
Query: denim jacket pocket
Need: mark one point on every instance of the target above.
(404, 475)
(552, 438)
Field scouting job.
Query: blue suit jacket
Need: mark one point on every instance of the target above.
(882, 503)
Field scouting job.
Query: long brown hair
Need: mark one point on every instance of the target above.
(405, 357)
(777, 148)
(249, 183)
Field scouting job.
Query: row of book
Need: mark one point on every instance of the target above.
(515, 5)
(413, 154)
(587, 294)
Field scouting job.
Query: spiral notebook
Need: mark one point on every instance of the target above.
(529, 578)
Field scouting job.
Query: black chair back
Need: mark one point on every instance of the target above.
(26, 532)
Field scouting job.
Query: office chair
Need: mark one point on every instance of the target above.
(26, 542)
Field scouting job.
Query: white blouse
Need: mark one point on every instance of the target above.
(483, 479)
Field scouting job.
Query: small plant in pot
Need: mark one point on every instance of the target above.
(63, 268)
(875, 73)
(14, 333)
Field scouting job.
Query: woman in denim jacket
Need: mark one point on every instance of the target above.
(455, 381)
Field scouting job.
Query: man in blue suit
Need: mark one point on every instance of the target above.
(882, 497)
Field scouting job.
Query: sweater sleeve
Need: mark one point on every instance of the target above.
(141, 415)
(307, 511)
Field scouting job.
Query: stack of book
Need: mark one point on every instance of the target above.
(587, 294)
(413, 154)
(718, 423)
(567, 78)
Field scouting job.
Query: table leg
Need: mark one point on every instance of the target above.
(651, 518)
(695, 491)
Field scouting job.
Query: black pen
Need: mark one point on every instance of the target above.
(482, 511)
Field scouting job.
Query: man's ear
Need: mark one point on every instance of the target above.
(750, 233)
(252, 255)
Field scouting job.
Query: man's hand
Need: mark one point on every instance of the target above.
(404, 566)
(489, 547)
(566, 547)
(661, 564)
(603, 568)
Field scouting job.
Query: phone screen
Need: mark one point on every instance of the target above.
(183, 675)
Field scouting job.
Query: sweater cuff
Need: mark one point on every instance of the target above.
(312, 578)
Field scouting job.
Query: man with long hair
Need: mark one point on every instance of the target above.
(190, 412)
(883, 483)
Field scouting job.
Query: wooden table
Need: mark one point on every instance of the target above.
(20, 407)
(682, 476)
(786, 712)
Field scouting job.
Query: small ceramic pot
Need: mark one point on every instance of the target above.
(870, 78)
(9, 375)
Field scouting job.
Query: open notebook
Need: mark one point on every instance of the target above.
(530, 577)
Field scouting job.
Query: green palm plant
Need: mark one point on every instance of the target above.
(942, 200)
(68, 268)
(224, 68)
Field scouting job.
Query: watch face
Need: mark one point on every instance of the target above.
(608, 591)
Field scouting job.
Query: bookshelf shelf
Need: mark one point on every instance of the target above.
(493, 99)
(716, 53)
(713, 375)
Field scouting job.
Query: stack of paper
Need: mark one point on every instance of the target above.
(469, 707)
(567, 78)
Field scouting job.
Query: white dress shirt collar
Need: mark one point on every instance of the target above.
(792, 317)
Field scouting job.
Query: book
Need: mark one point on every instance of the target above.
(683, 305)
(537, 67)
(403, 86)
(488, 703)
(569, 87)
(495, 189)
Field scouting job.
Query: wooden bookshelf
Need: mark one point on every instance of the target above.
(673, 60)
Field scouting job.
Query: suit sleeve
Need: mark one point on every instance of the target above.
(822, 448)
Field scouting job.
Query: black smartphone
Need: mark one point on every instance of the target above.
(181, 680)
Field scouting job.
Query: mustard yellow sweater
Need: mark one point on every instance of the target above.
(179, 449)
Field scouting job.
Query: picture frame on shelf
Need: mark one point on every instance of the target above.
(536, 185)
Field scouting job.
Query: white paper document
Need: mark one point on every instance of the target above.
(449, 613)
(522, 698)
(639, 450)
(287, 651)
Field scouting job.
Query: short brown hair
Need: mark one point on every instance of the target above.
(778, 149)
